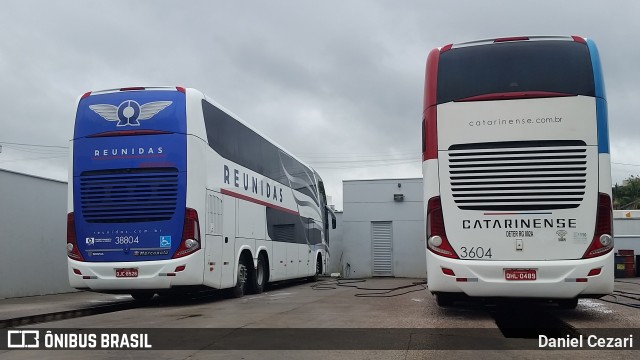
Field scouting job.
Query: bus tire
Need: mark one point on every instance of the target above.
(568, 304)
(241, 282)
(315, 277)
(444, 299)
(259, 277)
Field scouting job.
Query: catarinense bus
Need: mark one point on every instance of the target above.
(516, 168)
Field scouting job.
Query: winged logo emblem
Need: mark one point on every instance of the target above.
(129, 112)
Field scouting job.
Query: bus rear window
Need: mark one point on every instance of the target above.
(541, 66)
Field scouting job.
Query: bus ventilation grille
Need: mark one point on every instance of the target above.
(128, 195)
(518, 175)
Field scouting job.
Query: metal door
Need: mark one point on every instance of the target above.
(382, 248)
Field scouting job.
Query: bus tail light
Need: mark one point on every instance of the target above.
(190, 242)
(72, 245)
(602, 242)
(437, 240)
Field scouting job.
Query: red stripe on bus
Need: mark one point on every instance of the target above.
(259, 202)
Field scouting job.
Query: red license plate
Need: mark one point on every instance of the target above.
(520, 274)
(127, 273)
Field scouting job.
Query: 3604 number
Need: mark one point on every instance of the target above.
(475, 253)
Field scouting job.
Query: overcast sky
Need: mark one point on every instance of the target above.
(337, 83)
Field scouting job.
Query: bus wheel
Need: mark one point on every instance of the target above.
(318, 270)
(142, 296)
(568, 304)
(260, 276)
(241, 284)
(444, 300)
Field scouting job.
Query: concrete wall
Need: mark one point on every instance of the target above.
(373, 200)
(336, 245)
(33, 258)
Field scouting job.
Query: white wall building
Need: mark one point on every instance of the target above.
(33, 228)
(383, 231)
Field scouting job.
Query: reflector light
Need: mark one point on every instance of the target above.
(448, 271)
(77, 272)
(446, 48)
(594, 272)
(180, 268)
(181, 89)
(86, 95)
(461, 279)
(581, 280)
(579, 39)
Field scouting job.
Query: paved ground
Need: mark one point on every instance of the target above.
(304, 307)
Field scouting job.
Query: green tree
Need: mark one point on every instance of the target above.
(627, 195)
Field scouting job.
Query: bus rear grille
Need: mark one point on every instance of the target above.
(128, 195)
(518, 175)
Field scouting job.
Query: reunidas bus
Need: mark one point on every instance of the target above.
(170, 191)
(516, 167)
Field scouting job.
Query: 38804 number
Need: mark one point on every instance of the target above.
(124, 240)
(475, 252)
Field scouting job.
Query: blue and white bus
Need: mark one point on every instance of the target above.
(169, 191)
(517, 174)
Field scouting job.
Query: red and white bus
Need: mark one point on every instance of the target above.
(516, 166)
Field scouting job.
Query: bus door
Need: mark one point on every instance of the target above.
(213, 239)
(228, 240)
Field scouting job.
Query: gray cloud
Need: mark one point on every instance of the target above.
(329, 80)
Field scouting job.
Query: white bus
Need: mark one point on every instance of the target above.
(516, 168)
(170, 191)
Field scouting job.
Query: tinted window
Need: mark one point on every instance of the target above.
(236, 142)
(551, 66)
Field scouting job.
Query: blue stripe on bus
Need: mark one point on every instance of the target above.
(601, 102)
(603, 128)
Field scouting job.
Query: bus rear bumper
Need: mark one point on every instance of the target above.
(557, 279)
(152, 275)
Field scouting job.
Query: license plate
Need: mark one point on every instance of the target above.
(127, 273)
(520, 274)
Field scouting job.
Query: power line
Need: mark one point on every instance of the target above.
(617, 163)
(35, 145)
(403, 162)
(35, 158)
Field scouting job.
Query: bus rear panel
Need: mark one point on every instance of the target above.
(128, 216)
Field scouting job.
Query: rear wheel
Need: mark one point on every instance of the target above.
(568, 304)
(241, 283)
(260, 276)
(318, 269)
(444, 299)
